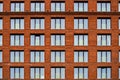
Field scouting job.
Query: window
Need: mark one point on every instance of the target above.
(80, 56)
(57, 6)
(1, 73)
(37, 73)
(57, 56)
(103, 6)
(119, 23)
(80, 6)
(37, 7)
(17, 23)
(103, 23)
(119, 56)
(1, 23)
(37, 23)
(1, 7)
(1, 42)
(57, 40)
(119, 7)
(119, 39)
(37, 56)
(17, 73)
(103, 73)
(17, 7)
(17, 40)
(103, 40)
(119, 73)
(81, 73)
(16, 56)
(1, 56)
(57, 73)
(80, 23)
(57, 23)
(81, 40)
(37, 40)
(104, 56)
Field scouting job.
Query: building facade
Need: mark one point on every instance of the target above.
(59, 39)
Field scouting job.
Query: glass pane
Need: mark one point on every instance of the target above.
(12, 7)
(80, 23)
(98, 56)
(62, 24)
(80, 6)
(81, 40)
(52, 40)
(85, 56)
(62, 56)
(57, 56)
(76, 40)
(75, 23)
(62, 6)
(52, 6)
(52, 23)
(99, 24)
(32, 6)
(63, 40)
(75, 73)
(42, 73)
(57, 73)
(75, 6)
(85, 73)
(22, 56)
(32, 73)
(32, 40)
(81, 57)
(17, 41)
(52, 73)
(75, 56)
(12, 73)
(108, 24)
(37, 42)
(103, 6)
(42, 7)
(85, 40)
(85, 23)
(42, 23)
(57, 7)
(108, 7)
(62, 73)
(32, 56)
(22, 6)
(80, 73)
(99, 73)
(21, 40)
(98, 6)
(52, 56)
(85, 6)
(42, 40)
(22, 23)
(108, 73)
(42, 56)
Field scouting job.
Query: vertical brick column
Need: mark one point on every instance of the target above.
(92, 52)
(48, 5)
(92, 5)
(115, 43)
(26, 48)
(69, 5)
(69, 33)
(6, 5)
(114, 5)
(27, 6)
(47, 47)
(6, 47)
